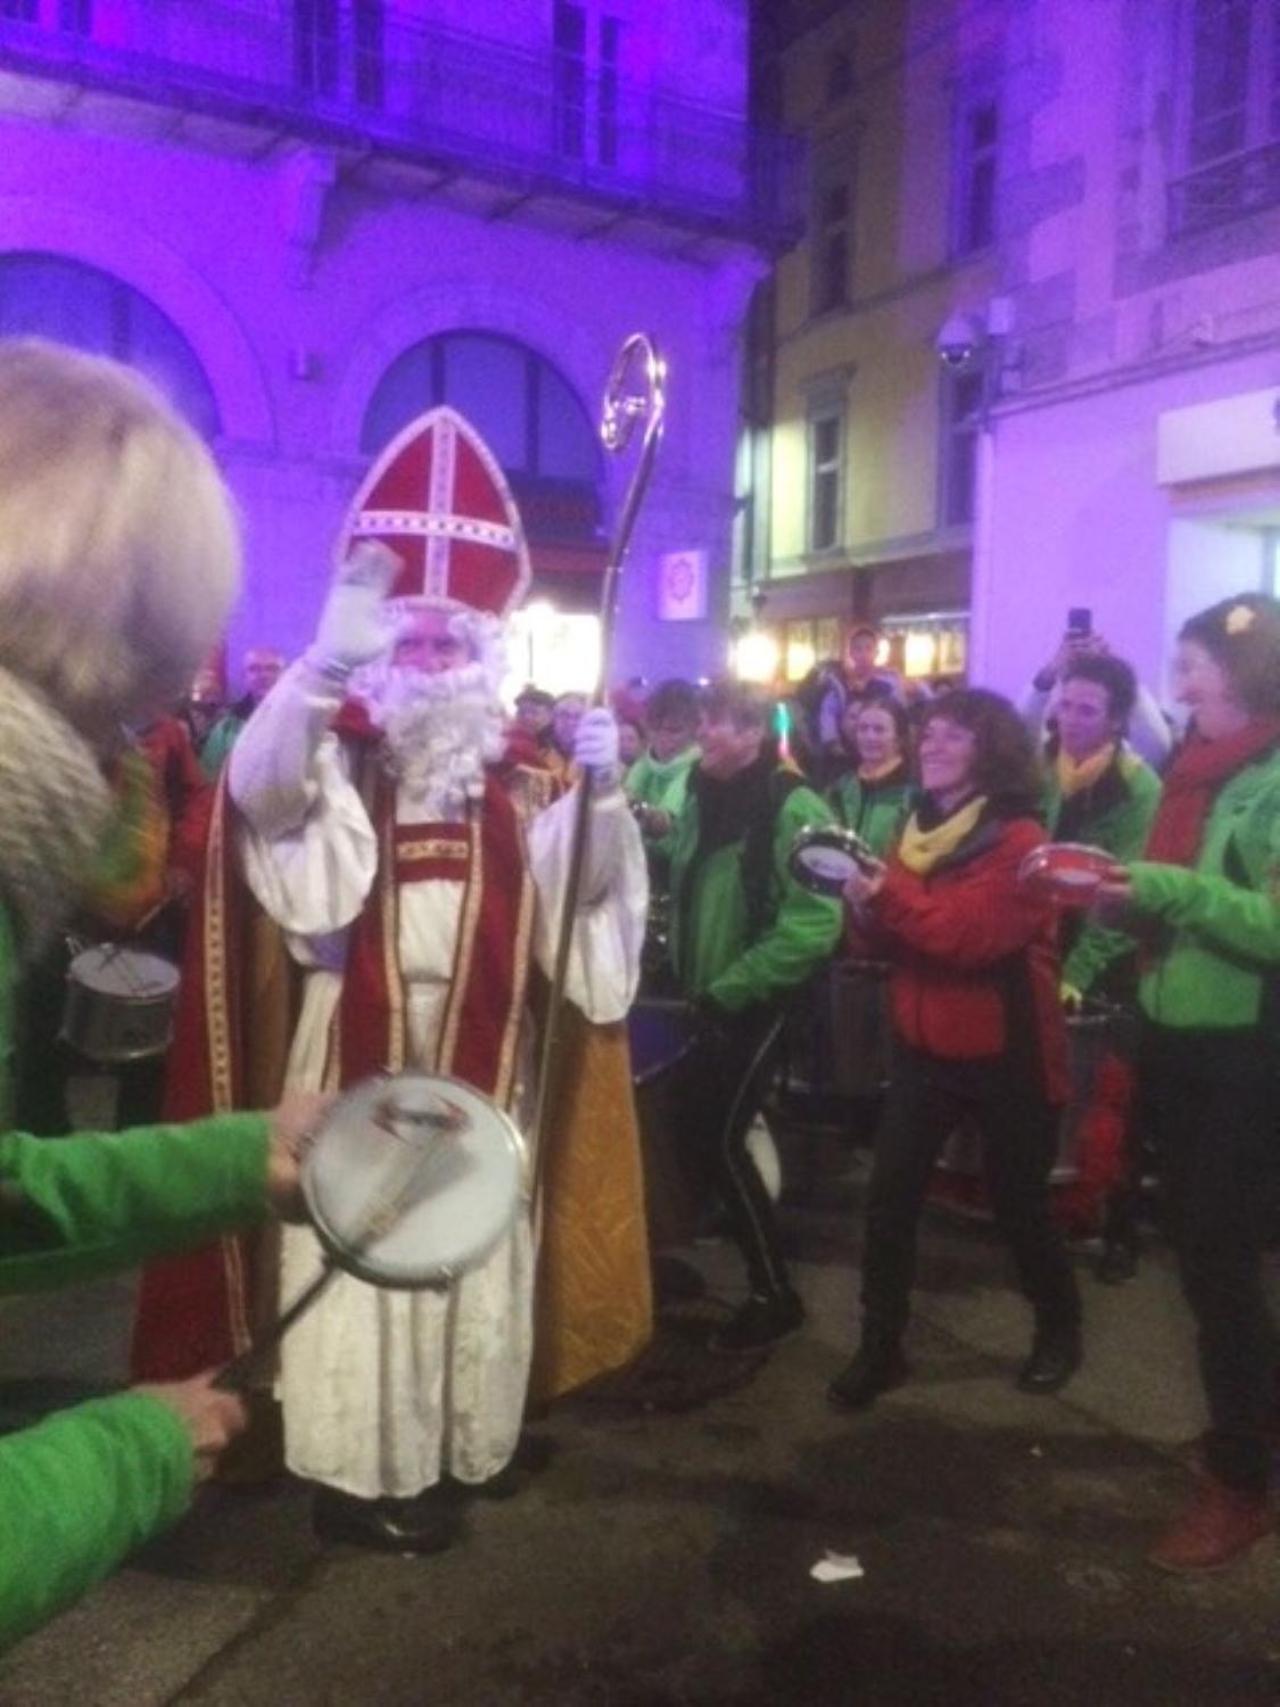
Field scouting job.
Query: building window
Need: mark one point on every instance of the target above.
(26, 10)
(50, 297)
(369, 24)
(976, 175)
(315, 46)
(832, 246)
(839, 78)
(76, 16)
(1229, 133)
(961, 411)
(826, 467)
(586, 83)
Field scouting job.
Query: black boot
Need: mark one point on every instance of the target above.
(762, 1321)
(876, 1366)
(427, 1523)
(1056, 1353)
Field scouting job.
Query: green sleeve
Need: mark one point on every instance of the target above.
(77, 1493)
(1241, 921)
(805, 930)
(74, 1207)
(217, 746)
(1097, 947)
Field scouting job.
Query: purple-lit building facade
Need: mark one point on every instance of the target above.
(311, 220)
(1078, 205)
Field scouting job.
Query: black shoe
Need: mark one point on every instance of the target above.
(428, 1523)
(1056, 1354)
(1118, 1263)
(762, 1321)
(873, 1370)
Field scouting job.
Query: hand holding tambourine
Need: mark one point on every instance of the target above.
(1071, 874)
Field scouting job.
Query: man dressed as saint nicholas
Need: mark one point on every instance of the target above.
(416, 875)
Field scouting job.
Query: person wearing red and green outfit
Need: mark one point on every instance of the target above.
(1099, 792)
(1205, 904)
(978, 1031)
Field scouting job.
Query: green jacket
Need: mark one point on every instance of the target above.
(85, 1487)
(714, 949)
(1221, 917)
(661, 782)
(219, 741)
(1115, 814)
(877, 811)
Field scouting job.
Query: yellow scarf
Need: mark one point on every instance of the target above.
(920, 850)
(1074, 778)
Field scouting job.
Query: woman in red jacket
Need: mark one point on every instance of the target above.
(978, 1031)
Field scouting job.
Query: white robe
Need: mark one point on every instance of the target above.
(385, 1392)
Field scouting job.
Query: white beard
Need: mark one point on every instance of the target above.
(439, 732)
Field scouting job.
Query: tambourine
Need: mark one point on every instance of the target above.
(1067, 872)
(409, 1182)
(824, 857)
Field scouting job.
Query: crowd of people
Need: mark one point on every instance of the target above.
(363, 865)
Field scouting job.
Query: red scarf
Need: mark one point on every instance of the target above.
(1192, 783)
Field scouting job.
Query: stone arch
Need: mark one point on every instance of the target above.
(452, 305)
(132, 255)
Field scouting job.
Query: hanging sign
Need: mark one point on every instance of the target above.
(682, 586)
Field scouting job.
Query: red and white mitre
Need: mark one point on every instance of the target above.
(437, 497)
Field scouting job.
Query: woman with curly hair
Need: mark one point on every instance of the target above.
(978, 1032)
(1206, 904)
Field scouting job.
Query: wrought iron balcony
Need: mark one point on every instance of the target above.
(366, 77)
(1225, 189)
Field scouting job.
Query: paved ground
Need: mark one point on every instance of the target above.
(665, 1557)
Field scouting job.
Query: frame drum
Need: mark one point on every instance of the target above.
(1067, 872)
(414, 1179)
(824, 857)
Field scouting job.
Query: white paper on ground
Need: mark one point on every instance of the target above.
(836, 1568)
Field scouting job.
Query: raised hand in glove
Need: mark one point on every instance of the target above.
(595, 746)
(354, 627)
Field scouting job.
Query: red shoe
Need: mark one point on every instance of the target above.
(1219, 1524)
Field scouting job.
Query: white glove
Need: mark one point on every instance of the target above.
(595, 746)
(354, 626)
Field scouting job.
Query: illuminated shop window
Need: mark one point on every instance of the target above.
(928, 646)
(49, 296)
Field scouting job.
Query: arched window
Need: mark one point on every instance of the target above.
(536, 426)
(52, 297)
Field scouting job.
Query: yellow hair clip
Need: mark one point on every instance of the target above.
(1240, 619)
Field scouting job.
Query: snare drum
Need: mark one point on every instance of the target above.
(824, 857)
(119, 1004)
(413, 1180)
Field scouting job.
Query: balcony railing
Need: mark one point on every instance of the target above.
(372, 77)
(1225, 189)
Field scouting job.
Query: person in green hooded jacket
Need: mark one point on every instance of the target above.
(744, 935)
(119, 560)
(1205, 903)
